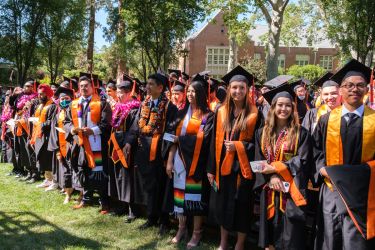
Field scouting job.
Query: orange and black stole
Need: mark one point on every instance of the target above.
(41, 114)
(93, 158)
(224, 167)
(276, 155)
(334, 157)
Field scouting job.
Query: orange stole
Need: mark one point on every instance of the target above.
(118, 150)
(22, 125)
(246, 135)
(334, 155)
(193, 128)
(95, 118)
(156, 137)
(62, 141)
(282, 170)
(322, 110)
(40, 113)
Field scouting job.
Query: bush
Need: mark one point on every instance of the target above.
(310, 72)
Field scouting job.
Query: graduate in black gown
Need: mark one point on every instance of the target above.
(188, 161)
(344, 136)
(120, 166)
(88, 121)
(330, 97)
(285, 146)
(45, 112)
(153, 119)
(232, 148)
(20, 101)
(57, 144)
(302, 98)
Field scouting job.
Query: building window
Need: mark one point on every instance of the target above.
(326, 62)
(257, 56)
(282, 61)
(302, 60)
(217, 60)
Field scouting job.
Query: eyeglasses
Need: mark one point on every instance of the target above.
(351, 86)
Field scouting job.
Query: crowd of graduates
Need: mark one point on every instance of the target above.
(186, 147)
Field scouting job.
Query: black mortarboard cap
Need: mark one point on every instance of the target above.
(353, 67)
(178, 86)
(323, 79)
(200, 78)
(239, 74)
(214, 83)
(64, 90)
(176, 71)
(283, 90)
(185, 76)
(300, 82)
(354, 184)
(277, 81)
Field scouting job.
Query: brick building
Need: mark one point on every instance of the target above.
(208, 49)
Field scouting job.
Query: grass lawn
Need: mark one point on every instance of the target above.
(31, 218)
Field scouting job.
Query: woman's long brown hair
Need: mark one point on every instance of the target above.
(242, 117)
(269, 132)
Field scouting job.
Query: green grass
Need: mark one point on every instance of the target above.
(33, 219)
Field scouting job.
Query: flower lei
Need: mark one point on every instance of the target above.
(7, 114)
(273, 153)
(151, 120)
(122, 110)
(24, 99)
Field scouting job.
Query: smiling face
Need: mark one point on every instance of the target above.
(331, 97)
(112, 93)
(238, 90)
(283, 108)
(353, 89)
(190, 95)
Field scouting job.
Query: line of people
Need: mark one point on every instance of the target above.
(189, 147)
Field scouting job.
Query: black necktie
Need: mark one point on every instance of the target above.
(352, 118)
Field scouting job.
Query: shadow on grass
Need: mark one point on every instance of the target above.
(26, 230)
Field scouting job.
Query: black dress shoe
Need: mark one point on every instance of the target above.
(163, 229)
(130, 219)
(148, 224)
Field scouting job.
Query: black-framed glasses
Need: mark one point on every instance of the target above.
(351, 86)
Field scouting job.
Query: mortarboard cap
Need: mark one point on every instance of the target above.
(202, 79)
(178, 86)
(277, 81)
(353, 67)
(175, 71)
(62, 90)
(323, 79)
(185, 76)
(239, 74)
(302, 82)
(283, 90)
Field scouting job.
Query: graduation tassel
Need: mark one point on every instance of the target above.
(132, 93)
(253, 92)
(209, 91)
(34, 87)
(372, 88)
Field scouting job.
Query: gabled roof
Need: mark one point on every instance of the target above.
(260, 30)
(201, 29)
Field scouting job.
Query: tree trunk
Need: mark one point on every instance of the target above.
(232, 53)
(273, 45)
(90, 45)
(121, 63)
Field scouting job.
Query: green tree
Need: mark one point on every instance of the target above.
(310, 72)
(62, 31)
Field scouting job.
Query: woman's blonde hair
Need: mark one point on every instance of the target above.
(270, 128)
(242, 117)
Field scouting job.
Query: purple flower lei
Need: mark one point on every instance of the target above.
(7, 114)
(122, 110)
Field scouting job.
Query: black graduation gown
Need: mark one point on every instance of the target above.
(43, 156)
(285, 231)
(302, 109)
(232, 206)
(335, 229)
(309, 122)
(77, 154)
(149, 176)
(121, 179)
(61, 170)
(186, 147)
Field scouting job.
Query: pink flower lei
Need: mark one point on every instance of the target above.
(7, 114)
(24, 99)
(122, 110)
